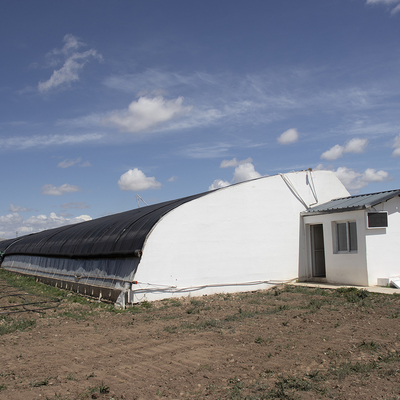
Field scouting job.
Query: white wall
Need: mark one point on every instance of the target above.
(383, 246)
(247, 232)
(341, 268)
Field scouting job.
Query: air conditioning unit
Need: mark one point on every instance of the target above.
(377, 219)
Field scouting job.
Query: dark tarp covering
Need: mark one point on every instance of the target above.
(118, 235)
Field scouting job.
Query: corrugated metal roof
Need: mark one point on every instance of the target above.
(117, 235)
(358, 202)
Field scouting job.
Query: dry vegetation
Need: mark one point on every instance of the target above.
(290, 342)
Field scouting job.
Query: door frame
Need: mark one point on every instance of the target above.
(317, 237)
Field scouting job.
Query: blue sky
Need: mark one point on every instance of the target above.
(106, 100)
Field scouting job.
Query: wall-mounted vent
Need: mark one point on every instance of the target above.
(377, 220)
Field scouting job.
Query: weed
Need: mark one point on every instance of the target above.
(266, 373)
(282, 308)
(44, 382)
(298, 384)
(370, 346)
(210, 323)
(346, 369)
(91, 375)
(353, 295)
(205, 367)
(102, 389)
(146, 304)
(57, 396)
(71, 377)
(236, 388)
(196, 303)
(170, 329)
(135, 309)
(175, 303)
(78, 316)
(316, 303)
(259, 340)
(3, 387)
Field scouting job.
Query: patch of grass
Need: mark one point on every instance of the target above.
(205, 367)
(57, 396)
(71, 377)
(171, 329)
(102, 388)
(9, 325)
(27, 283)
(175, 303)
(348, 368)
(370, 346)
(44, 382)
(353, 295)
(196, 303)
(146, 304)
(298, 384)
(135, 309)
(3, 387)
(91, 375)
(236, 387)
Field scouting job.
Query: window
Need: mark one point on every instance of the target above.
(377, 220)
(346, 235)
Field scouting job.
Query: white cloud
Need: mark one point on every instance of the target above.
(395, 10)
(71, 162)
(388, 3)
(73, 63)
(288, 137)
(382, 1)
(218, 183)
(172, 179)
(203, 151)
(60, 190)
(234, 162)
(26, 142)
(14, 208)
(245, 172)
(333, 153)
(12, 223)
(354, 181)
(355, 145)
(146, 113)
(396, 146)
(74, 204)
(136, 180)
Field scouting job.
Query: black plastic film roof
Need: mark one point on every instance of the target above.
(117, 235)
(357, 202)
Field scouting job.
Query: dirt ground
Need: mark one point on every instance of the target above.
(290, 342)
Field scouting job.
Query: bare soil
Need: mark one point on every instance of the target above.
(290, 342)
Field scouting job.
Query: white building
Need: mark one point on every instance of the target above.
(352, 240)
